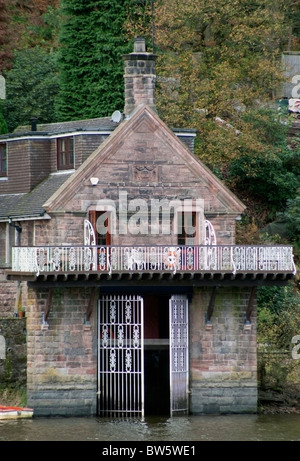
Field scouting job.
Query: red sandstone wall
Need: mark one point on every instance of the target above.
(8, 292)
(62, 358)
(223, 367)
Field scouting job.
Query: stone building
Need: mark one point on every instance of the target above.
(121, 245)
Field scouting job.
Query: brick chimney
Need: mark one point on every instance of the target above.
(139, 77)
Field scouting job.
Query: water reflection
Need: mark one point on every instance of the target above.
(285, 427)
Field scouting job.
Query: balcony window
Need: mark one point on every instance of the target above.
(3, 160)
(187, 229)
(65, 153)
(103, 225)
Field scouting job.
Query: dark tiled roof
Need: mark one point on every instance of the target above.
(31, 204)
(97, 124)
(7, 202)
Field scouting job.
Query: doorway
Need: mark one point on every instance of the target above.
(156, 355)
(142, 355)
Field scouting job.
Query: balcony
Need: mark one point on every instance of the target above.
(202, 263)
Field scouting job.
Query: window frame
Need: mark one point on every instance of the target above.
(183, 237)
(68, 152)
(3, 159)
(198, 222)
(93, 216)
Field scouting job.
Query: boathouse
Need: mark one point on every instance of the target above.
(121, 245)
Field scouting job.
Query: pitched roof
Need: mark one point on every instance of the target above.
(7, 203)
(50, 129)
(76, 125)
(142, 113)
(55, 187)
(31, 204)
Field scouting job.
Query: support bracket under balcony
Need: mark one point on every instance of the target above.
(47, 309)
(90, 306)
(247, 321)
(210, 309)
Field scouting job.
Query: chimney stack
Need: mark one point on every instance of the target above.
(139, 77)
(33, 122)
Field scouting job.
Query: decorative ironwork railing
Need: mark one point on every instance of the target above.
(231, 258)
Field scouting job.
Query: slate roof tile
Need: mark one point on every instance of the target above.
(31, 204)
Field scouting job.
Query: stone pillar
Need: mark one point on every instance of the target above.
(139, 77)
(223, 362)
(62, 358)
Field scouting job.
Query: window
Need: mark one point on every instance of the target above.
(3, 160)
(187, 229)
(65, 153)
(100, 221)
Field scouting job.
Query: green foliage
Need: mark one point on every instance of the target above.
(267, 126)
(31, 88)
(265, 176)
(269, 169)
(44, 33)
(32, 23)
(218, 61)
(278, 321)
(236, 46)
(278, 315)
(140, 21)
(276, 371)
(3, 124)
(12, 396)
(92, 41)
(275, 299)
(292, 214)
(5, 52)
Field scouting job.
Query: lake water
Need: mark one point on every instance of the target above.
(279, 427)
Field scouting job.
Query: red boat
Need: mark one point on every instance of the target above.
(9, 412)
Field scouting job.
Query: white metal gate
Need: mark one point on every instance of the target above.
(121, 356)
(179, 357)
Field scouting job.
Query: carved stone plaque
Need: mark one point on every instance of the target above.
(145, 173)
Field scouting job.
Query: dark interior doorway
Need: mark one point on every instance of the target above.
(157, 369)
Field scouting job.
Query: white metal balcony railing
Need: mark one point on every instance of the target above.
(213, 258)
